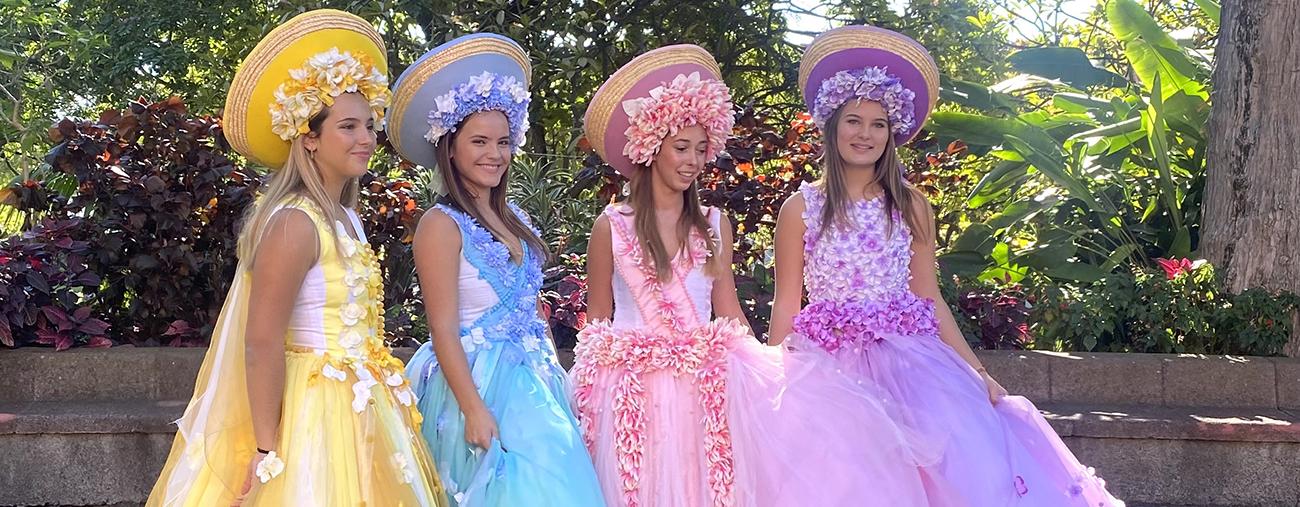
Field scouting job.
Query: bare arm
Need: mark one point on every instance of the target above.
(437, 250)
(280, 265)
(726, 303)
(789, 269)
(600, 272)
(925, 283)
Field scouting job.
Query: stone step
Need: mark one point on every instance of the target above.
(34, 374)
(83, 452)
(1180, 456)
(1164, 380)
(110, 452)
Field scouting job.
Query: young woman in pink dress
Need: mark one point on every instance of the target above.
(679, 404)
(861, 241)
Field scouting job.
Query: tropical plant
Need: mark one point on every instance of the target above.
(1102, 171)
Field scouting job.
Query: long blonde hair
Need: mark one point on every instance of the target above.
(298, 179)
(459, 197)
(899, 194)
(646, 225)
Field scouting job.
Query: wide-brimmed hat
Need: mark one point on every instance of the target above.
(476, 72)
(873, 63)
(296, 71)
(652, 97)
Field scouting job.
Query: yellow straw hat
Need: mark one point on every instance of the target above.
(294, 72)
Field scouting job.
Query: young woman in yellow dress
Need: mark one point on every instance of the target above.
(299, 402)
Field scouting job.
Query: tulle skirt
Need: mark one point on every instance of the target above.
(333, 453)
(539, 459)
(716, 418)
(992, 455)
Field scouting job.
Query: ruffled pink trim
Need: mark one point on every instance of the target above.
(632, 353)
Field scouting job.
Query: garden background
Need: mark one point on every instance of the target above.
(1074, 163)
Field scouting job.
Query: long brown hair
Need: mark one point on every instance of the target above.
(459, 197)
(899, 194)
(641, 199)
(299, 177)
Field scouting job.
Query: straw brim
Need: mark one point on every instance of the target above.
(246, 118)
(605, 123)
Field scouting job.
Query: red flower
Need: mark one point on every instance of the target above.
(1174, 267)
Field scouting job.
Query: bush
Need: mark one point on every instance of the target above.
(147, 239)
(161, 204)
(47, 289)
(1183, 309)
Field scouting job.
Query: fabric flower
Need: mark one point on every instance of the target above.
(474, 340)
(482, 92)
(351, 339)
(870, 83)
(685, 101)
(329, 371)
(325, 76)
(270, 467)
(403, 466)
(352, 313)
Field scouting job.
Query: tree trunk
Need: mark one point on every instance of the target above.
(1251, 223)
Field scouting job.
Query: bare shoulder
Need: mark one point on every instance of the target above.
(437, 226)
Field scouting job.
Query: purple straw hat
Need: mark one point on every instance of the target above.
(859, 54)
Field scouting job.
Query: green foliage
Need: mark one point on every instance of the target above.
(1105, 174)
(1184, 309)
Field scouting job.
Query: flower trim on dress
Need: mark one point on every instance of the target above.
(871, 83)
(514, 318)
(834, 325)
(314, 86)
(683, 347)
(483, 92)
(701, 354)
(687, 100)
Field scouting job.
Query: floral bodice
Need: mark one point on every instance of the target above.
(339, 314)
(640, 300)
(499, 296)
(857, 277)
(864, 261)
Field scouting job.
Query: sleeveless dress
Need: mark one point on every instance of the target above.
(862, 312)
(679, 409)
(539, 459)
(348, 416)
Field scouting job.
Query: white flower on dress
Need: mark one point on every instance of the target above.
(352, 313)
(532, 343)
(329, 371)
(474, 340)
(394, 379)
(460, 498)
(405, 396)
(351, 339)
(361, 394)
(404, 468)
(270, 466)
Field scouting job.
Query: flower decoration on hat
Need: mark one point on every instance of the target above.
(483, 92)
(314, 86)
(687, 100)
(871, 83)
